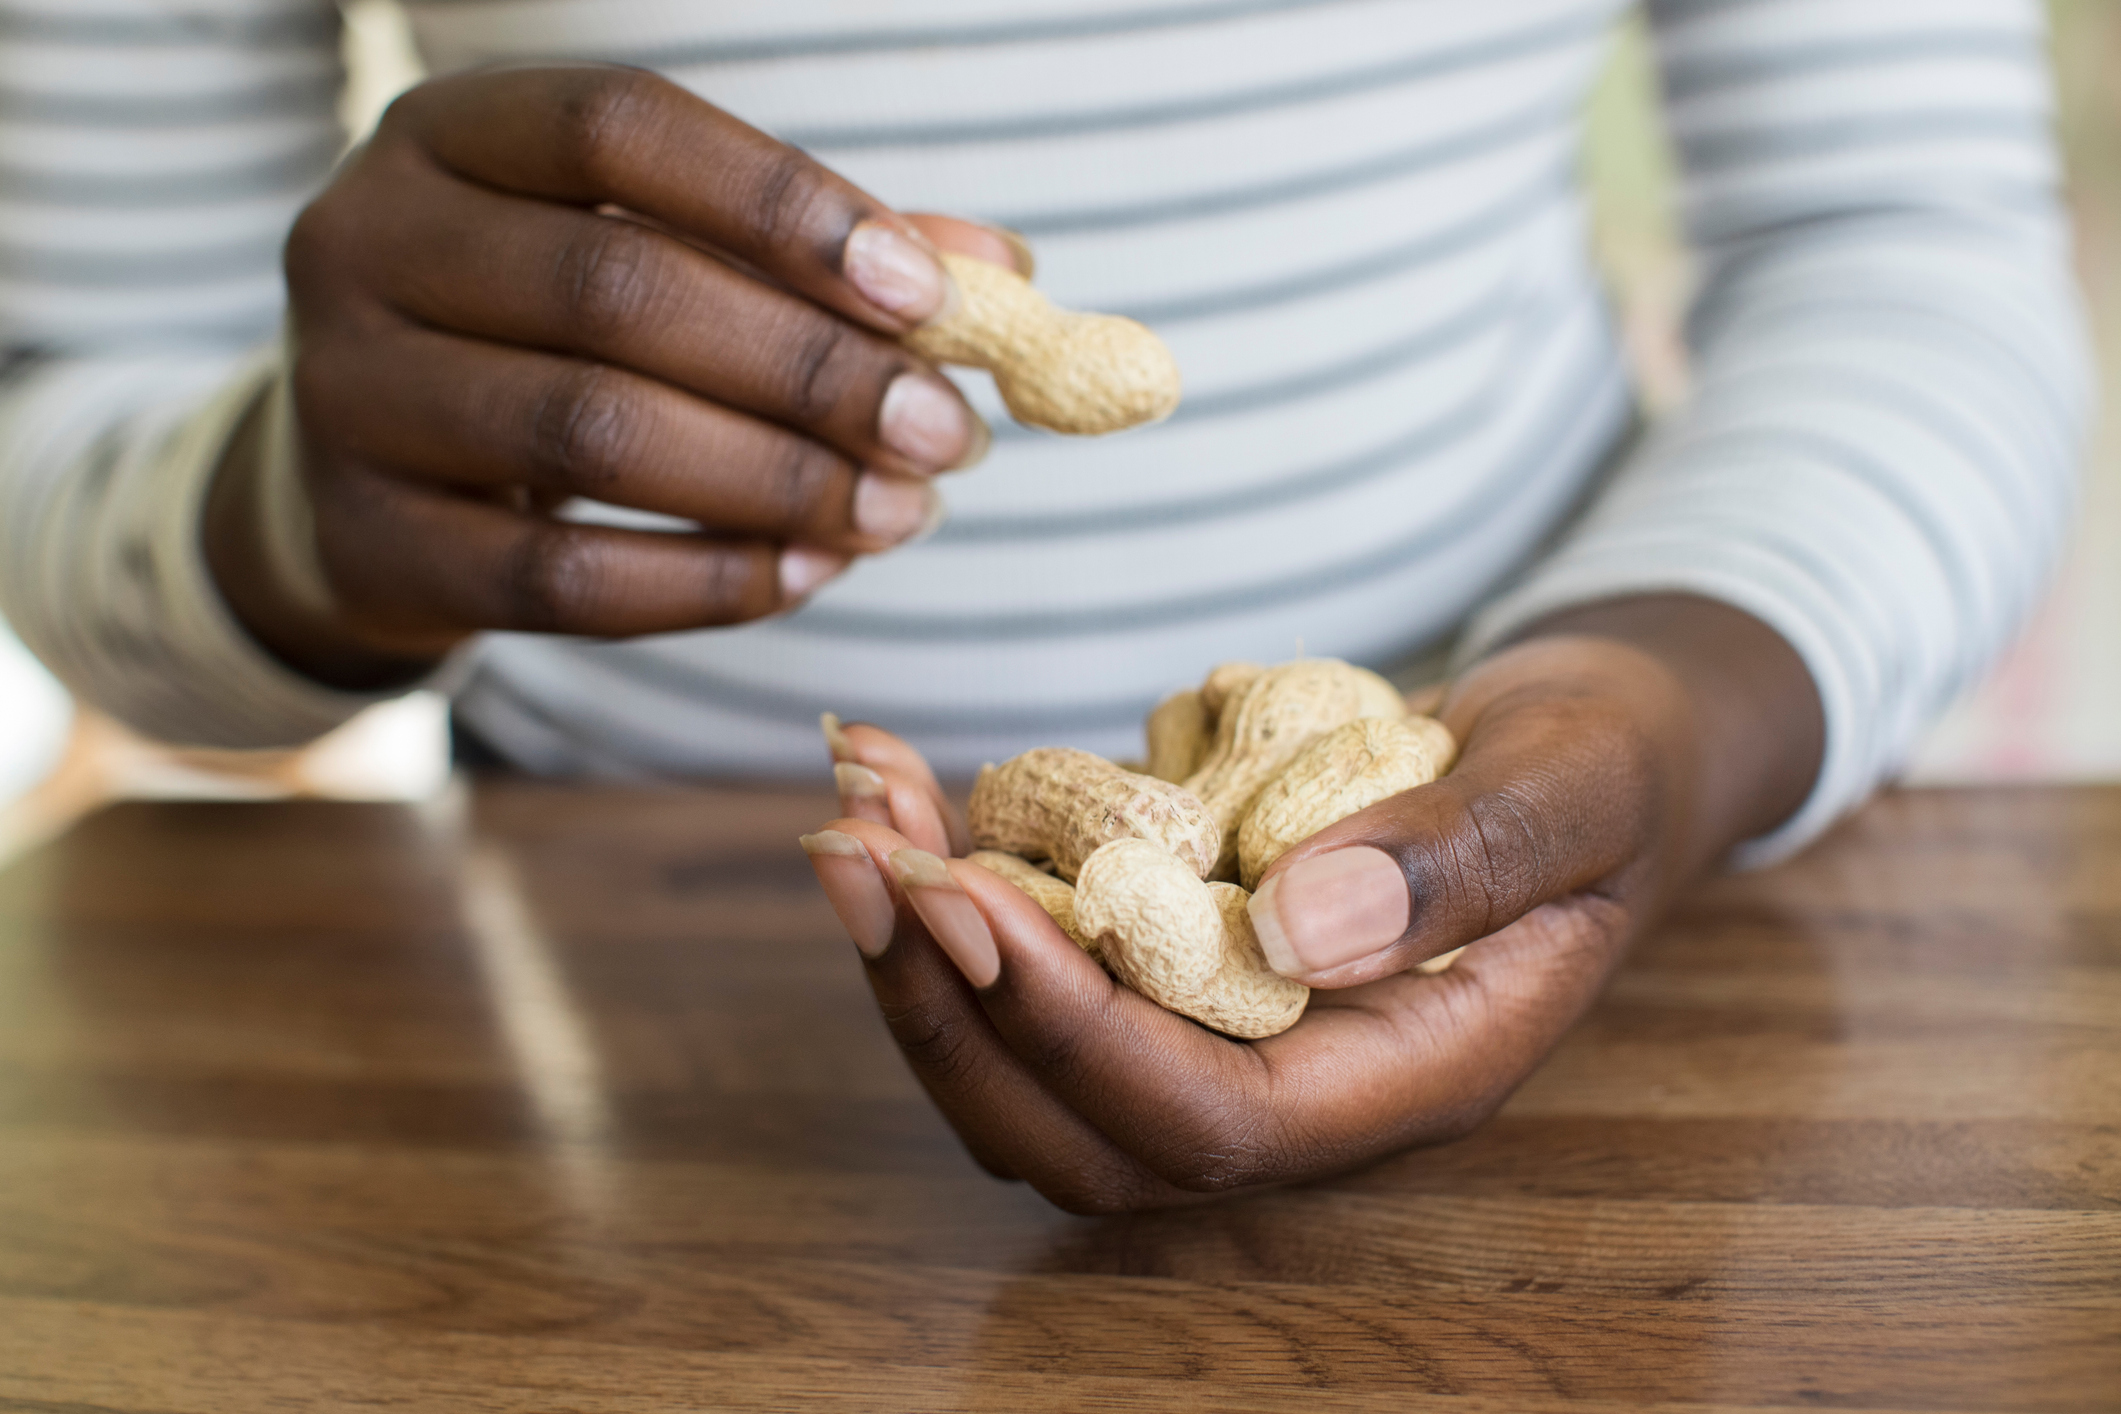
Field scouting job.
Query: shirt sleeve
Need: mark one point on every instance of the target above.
(152, 158)
(1880, 455)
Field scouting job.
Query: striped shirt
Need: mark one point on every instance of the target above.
(1355, 223)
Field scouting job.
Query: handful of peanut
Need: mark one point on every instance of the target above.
(1137, 868)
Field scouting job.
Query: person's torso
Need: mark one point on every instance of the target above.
(1354, 222)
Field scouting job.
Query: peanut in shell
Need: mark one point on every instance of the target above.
(1059, 804)
(1347, 769)
(1186, 945)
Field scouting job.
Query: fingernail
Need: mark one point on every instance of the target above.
(925, 422)
(952, 919)
(894, 273)
(1026, 262)
(803, 569)
(848, 876)
(982, 443)
(896, 509)
(835, 737)
(1330, 909)
(858, 782)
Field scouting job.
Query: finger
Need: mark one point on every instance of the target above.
(588, 135)
(864, 795)
(1554, 792)
(1004, 1116)
(870, 913)
(487, 415)
(1405, 1060)
(1163, 1090)
(407, 560)
(500, 267)
(990, 243)
(938, 825)
(879, 796)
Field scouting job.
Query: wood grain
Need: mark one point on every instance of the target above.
(549, 1099)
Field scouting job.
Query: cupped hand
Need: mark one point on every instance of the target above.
(1603, 764)
(541, 283)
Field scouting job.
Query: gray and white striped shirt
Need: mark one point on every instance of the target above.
(1353, 220)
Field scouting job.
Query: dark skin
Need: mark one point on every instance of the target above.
(1609, 758)
(534, 284)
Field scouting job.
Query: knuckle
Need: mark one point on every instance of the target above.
(818, 367)
(1057, 1055)
(730, 585)
(1504, 854)
(798, 479)
(933, 1044)
(600, 117)
(607, 277)
(549, 576)
(1221, 1150)
(404, 115)
(782, 194)
(317, 246)
(582, 428)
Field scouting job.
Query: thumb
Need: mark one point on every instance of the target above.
(1554, 793)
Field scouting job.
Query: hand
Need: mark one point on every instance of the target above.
(534, 284)
(1605, 762)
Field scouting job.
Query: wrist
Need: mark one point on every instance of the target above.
(1728, 709)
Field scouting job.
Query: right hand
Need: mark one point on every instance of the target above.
(534, 284)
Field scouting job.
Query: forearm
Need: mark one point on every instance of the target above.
(103, 474)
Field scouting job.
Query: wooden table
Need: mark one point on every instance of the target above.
(553, 1100)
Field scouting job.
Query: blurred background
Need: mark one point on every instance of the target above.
(2050, 712)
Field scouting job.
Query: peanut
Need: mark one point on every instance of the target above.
(1180, 731)
(1348, 769)
(1181, 728)
(1056, 896)
(1083, 374)
(1185, 945)
(1225, 683)
(1057, 803)
(1283, 710)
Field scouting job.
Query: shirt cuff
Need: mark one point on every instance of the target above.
(222, 687)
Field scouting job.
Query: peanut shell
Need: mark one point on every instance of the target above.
(1056, 803)
(1347, 769)
(1082, 374)
(1283, 710)
(1188, 946)
(1056, 896)
(1179, 733)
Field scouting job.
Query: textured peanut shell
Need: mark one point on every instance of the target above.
(1225, 683)
(1082, 374)
(1185, 945)
(1284, 710)
(1056, 803)
(1348, 769)
(1179, 733)
(1056, 896)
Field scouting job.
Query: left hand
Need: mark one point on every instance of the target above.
(1606, 761)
